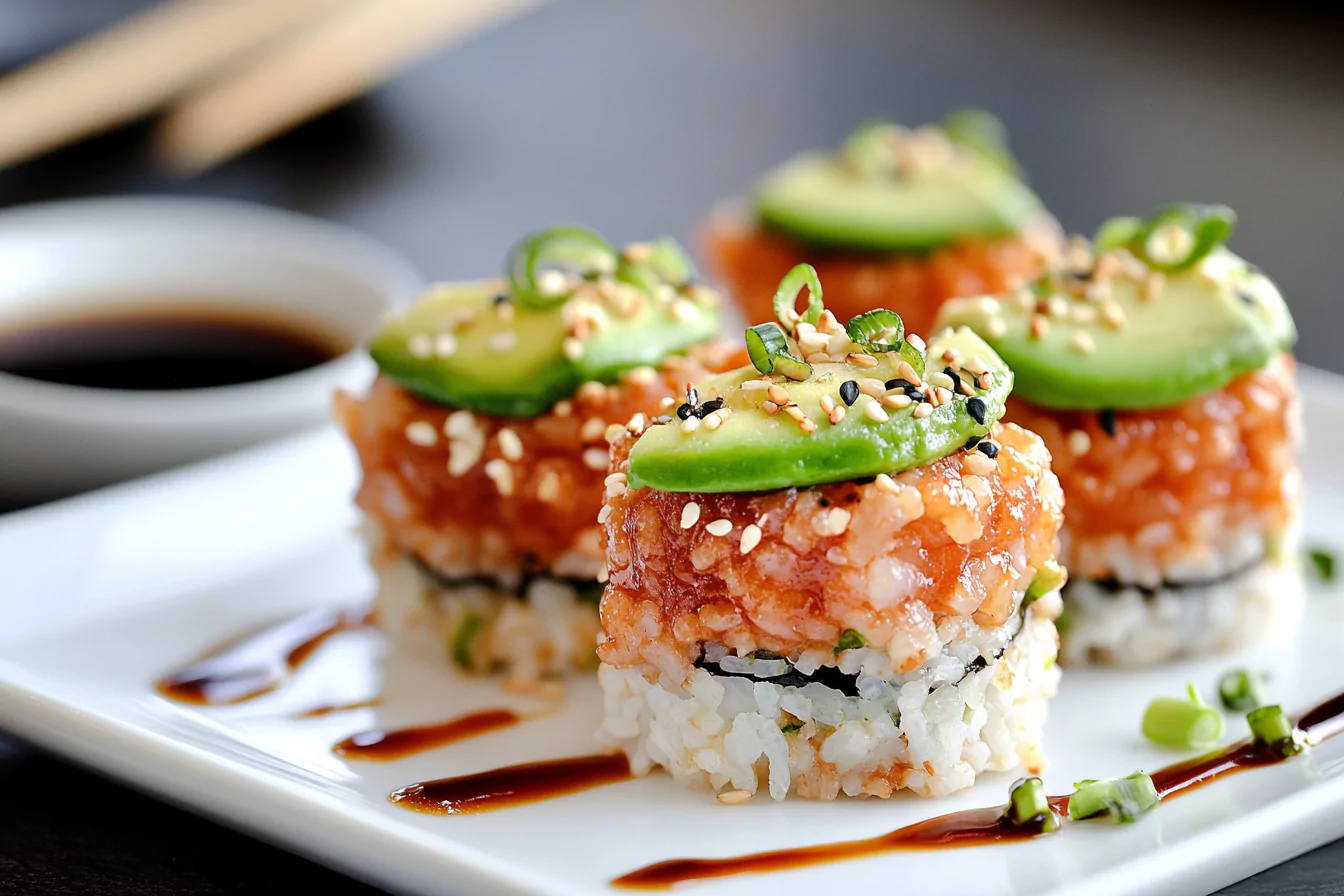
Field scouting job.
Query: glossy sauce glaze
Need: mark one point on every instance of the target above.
(385, 745)
(973, 827)
(258, 663)
(513, 785)
(326, 709)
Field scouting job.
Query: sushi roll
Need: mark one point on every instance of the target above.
(1156, 365)
(897, 217)
(833, 571)
(483, 441)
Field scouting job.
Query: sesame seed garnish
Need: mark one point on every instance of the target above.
(983, 381)
(552, 283)
(849, 392)
(944, 396)
(572, 348)
(666, 402)
(922, 411)
(709, 407)
(1040, 327)
(827, 404)
(504, 341)
(690, 425)
(613, 432)
(778, 395)
(915, 341)
(886, 483)
(563, 409)
(604, 514)
(617, 488)
(995, 328)
(756, 385)
(751, 536)
(975, 366)
(715, 420)
(1057, 306)
(1079, 442)
(421, 433)
(988, 449)
(614, 477)
(501, 474)
(420, 345)
(719, 527)
(951, 355)
(837, 415)
(979, 464)
(941, 380)
(770, 408)
(592, 390)
(509, 444)
(807, 425)
(976, 408)
(690, 514)
(1083, 342)
(972, 442)
(1153, 284)
(872, 387)
(592, 429)
(445, 344)
(683, 310)
(835, 522)
(635, 425)
(874, 412)
(1106, 419)
(734, 797)
(906, 372)
(861, 360)
(461, 425)
(897, 402)
(595, 458)
(548, 489)
(795, 412)
(641, 376)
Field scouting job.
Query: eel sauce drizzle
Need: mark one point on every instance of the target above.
(385, 745)
(972, 827)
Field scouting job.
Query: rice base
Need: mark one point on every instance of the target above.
(931, 731)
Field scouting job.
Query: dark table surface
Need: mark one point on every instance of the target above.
(634, 117)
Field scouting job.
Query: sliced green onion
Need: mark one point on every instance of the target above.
(791, 727)
(1206, 227)
(1273, 731)
(1240, 690)
(768, 350)
(1050, 577)
(663, 262)
(1116, 233)
(462, 638)
(871, 149)
(802, 275)
(565, 249)
(1122, 799)
(982, 133)
(1323, 562)
(791, 367)
(1029, 808)
(878, 330)
(1190, 724)
(914, 356)
(849, 640)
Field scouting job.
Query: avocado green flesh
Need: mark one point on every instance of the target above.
(527, 377)
(754, 451)
(1207, 327)
(816, 200)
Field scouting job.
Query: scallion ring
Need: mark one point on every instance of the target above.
(803, 275)
(661, 262)
(1029, 808)
(1190, 724)
(541, 267)
(1273, 731)
(877, 331)
(768, 349)
(1116, 233)
(982, 133)
(1122, 799)
(1240, 690)
(913, 356)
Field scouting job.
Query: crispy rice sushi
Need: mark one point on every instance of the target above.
(1156, 367)
(483, 441)
(897, 217)
(833, 577)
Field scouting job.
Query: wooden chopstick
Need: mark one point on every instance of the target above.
(315, 70)
(134, 67)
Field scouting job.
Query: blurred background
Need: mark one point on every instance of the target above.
(635, 117)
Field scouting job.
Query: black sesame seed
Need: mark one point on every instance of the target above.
(711, 406)
(972, 442)
(1080, 276)
(1107, 421)
(684, 411)
(824, 502)
(976, 408)
(501, 299)
(988, 449)
(692, 396)
(849, 392)
(898, 383)
(916, 395)
(1246, 297)
(953, 375)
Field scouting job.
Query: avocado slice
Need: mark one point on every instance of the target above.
(1149, 342)
(457, 346)
(753, 451)
(818, 199)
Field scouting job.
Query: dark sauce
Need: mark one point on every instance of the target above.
(157, 349)
(513, 785)
(327, 709)
(385, 745)
(258, 663)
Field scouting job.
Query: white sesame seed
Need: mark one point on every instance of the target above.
(751, 536)
(604, 514)
(563, 409)
(548, 489)
(592, 429)
(1083, 342)
(715, 420)
(690, 514)
(463, 454)
(951, 355)
(690, 425)
(501, 474)
(922, 410)
(778, 395)
(915, 341)
(861, 360)
(896, 402)
(719, 527)
(833, 522)
(445, 345)
(602, 575)
(886, 483)
(837, 415)
(734, 797)
(1079, 443)
(617, 488)
(595, 458)
(872, 387)
(874, 412)
(941, 380)
(618, 476)
(683, 311)
(1040, 327)
(1057, 306)
(979, 464)
(665, 403)
(420, 345)
(552, 283)
(1113, 314)
(975, 365)
(635, 425)
(613, 432)
(944, 396)
(756, 385)
(572, 348)
(770, 408)
(509, 444)
(641, 376)
(420, 433)
(592, 390)
(995, 328)
(503, 341)
(461, 425)
(827, 404)
(907, 372)
(796, 413)
(807, 426)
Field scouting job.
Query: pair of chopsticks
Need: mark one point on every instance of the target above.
(229, 74)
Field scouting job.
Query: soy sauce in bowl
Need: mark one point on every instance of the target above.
(194, 345)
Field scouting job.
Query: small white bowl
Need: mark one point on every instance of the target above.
(61, 258)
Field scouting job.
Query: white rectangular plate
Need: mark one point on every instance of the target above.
(101, 594)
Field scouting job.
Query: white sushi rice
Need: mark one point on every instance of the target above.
(545, 632)
(931, 733)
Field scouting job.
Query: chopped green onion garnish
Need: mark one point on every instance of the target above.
(1174, 238)
(1122, 799)
(1240, 690)
(1029, 807)
(879, 330)
(982, 133)
(913, 355)
(462, 638)
(1273, 731)
(1323, 562)
(575, 250)
(662, 262)
(1190, 724)
(1050, 577)
(1116, 233)
(791, 727)
(802, 275)
(849, 640)
(768, 350)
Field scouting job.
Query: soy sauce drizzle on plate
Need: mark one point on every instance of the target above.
(513, 785)
(327, 709)
(973, 827)
(258, 663)
(385, 745)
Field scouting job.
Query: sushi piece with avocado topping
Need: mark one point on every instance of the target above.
(1157, 366)
(483, 441)
(905, 218)
(833, 576)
